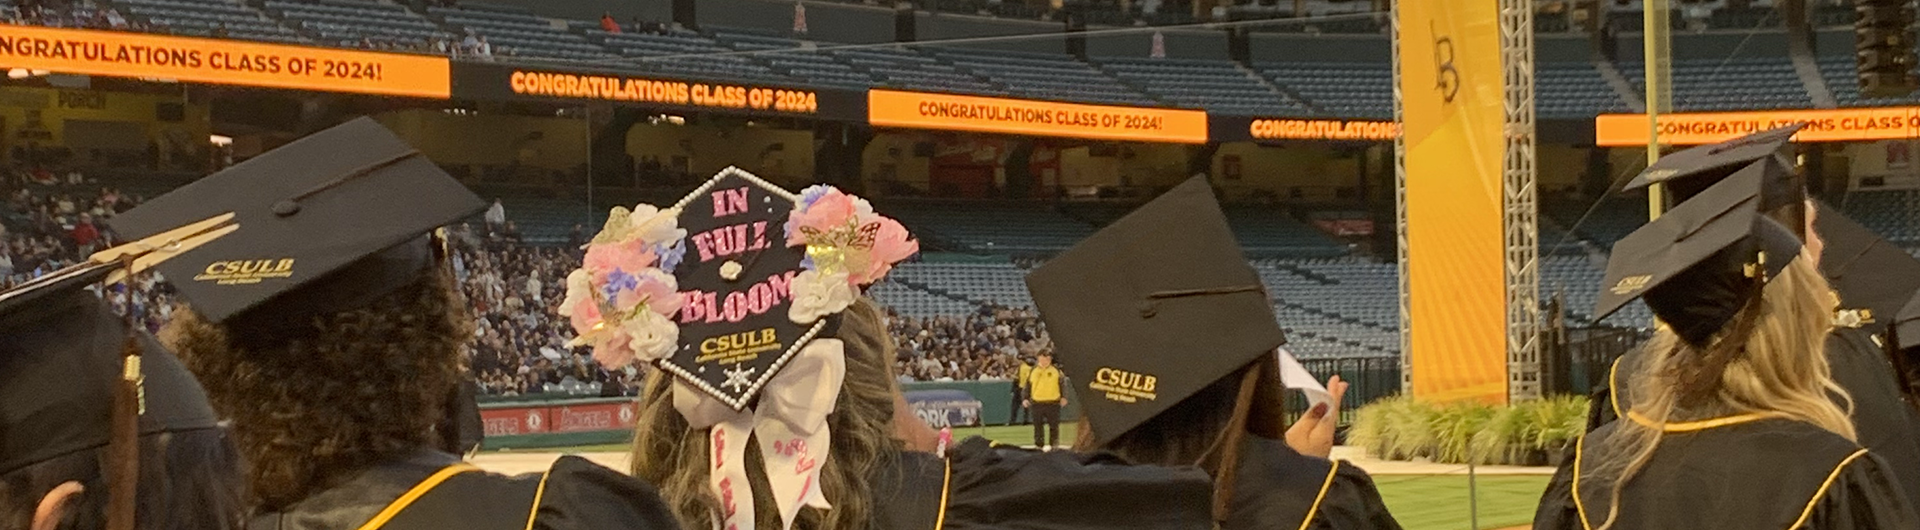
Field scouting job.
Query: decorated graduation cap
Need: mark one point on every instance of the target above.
(1154, 308)
(735, 291)
(329, 222)
(1767, 155)
(1700, 264)
(75, 377)
(1873, 278)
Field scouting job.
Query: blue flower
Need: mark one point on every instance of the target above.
(618, 281)
(807, 263)
(812, 193)
(670, 255)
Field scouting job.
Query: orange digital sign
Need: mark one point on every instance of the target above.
(1286, 129)
(1823, 125)
(117, 54)
(891, 108)
(633, 89)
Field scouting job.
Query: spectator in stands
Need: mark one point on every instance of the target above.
(607, 23)
(483, 49)
(496, 215)
(84, 234)
(1045, 397)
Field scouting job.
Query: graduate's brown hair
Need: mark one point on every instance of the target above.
(1770, 360)
(314, 404)
(674, 457)
(1206, 429)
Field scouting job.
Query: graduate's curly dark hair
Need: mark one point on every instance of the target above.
(314, 403)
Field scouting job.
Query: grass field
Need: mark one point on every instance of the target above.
(1420, 502)
(1439, 502)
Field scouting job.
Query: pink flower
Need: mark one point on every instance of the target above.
(603, 258)
(890, 246)
(653, 287)
(584, 316)
(613, 350)
(830, 211)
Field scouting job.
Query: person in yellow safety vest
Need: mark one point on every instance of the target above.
(1044, 400)
(1016, 405)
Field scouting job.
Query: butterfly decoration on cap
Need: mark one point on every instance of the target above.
(738, 374)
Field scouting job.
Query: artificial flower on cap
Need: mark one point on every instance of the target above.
(848, 247)
(622, 299)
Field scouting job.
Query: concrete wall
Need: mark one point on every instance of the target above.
(1274, 47)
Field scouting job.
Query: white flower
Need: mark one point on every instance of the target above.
(579, 289)
(654, 225)
(815, 296)
(652, 336)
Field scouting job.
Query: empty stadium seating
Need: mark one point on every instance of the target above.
(209, 18)
(685, 53)
(1894, 214)
(347, 22)
(1040, 76)
(998, 227)
(1339, 89)
(1731, 84)
(518, 33)
(1221, 86)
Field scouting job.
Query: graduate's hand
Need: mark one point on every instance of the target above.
(1026, 403)
(1313, 434)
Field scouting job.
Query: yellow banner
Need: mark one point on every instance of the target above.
(892, 108)
(117, 54)
(1285, 129)
(1823, 125)
(1454, 110)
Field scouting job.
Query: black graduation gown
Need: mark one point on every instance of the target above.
(1884, 421)
(1277, 487)
(434, 490)
(1748, 474)
(983, 486)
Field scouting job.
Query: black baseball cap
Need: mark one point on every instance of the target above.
(327, 223)
(1700, 263)
(1154, 308)
(1867, 272)
(60, 364)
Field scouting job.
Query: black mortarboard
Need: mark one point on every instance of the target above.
(1869, 273)
(1700, 263)
(734, 330)
(1688, 173)
(329, 222)
(59, 366)
(1154, 308)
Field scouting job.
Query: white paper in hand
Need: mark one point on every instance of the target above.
(1295, 376)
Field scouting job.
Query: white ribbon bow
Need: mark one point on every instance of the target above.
(791, 421)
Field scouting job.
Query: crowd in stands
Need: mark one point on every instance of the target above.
(987, 345)
(68, 14)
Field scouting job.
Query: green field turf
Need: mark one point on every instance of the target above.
(1439, 502)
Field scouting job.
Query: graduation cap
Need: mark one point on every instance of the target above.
(60, 365)
(1154, 308)
(1688, 173)
(327, 223)
(1699, 264)
(1874, 278)
(735, 333)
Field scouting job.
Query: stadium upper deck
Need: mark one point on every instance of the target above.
(1337, 67)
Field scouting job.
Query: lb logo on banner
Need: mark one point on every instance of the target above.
(117, 54)
(1453, 101)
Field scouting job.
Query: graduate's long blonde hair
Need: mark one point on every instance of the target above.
(674, 457)
(1781, 371)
